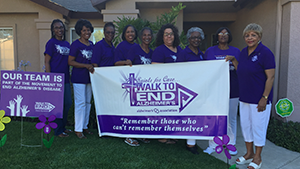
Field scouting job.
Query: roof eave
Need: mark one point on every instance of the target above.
(55, 7)
(99, 4)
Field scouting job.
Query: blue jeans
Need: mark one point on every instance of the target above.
(61, 123)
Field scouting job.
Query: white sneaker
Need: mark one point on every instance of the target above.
(209, 150)
(233, 153)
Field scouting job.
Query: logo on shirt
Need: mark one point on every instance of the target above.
(174, 57)
(254, 58)
(145, 60)
(220, 57)
(201, 57)
(159, 92)
(87, 54)
(62, 50)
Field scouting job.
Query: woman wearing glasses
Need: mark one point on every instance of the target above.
(217, 52)
(192, 52)
(56, 60)
(167, 50)
(167, 42)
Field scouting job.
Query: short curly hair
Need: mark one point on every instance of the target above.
(160, 35)
(124, 32)
(229, 34)
(79, 25)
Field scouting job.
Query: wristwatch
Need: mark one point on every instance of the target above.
(266, 97)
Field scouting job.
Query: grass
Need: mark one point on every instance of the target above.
(95, 152)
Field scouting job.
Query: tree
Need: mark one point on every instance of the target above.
(139, 24)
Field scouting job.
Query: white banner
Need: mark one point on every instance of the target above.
(179, 100)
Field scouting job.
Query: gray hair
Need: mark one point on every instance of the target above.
(253, 27)
(195, 29)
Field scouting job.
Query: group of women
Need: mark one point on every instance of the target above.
(251, 74)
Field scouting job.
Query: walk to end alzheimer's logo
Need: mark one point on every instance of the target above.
(158, 92)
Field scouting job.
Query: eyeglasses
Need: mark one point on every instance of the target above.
(226, 33)
(169, 34)
(195, 38)
(108, 32)
(61, 27)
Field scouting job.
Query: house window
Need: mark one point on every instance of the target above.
(7, 61)
(96, 36)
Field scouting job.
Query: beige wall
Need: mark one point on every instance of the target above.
(31, 23)
(265, 15)
(289, 60)
(25, 37)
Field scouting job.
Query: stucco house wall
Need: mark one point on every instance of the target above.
(24, 17)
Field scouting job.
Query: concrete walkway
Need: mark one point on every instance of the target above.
(273, 157)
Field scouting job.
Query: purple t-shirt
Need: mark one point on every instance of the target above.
(121, 53)
(162, 54)
(214, 53)
(59, 52)
(251, 73)
(138, 56)
(82, 54)
(187, 55)
(103, 54)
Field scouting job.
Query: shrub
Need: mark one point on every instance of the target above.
(284, 134)
(139, 23)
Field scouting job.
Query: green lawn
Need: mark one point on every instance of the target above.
(95, 152)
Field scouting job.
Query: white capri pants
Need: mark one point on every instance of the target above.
(254, 124)
(82, 100)
(231, 130)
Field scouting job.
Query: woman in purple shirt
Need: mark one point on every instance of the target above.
(103, 52)
(142, 53)
(56, 60)
(192, 53)
(167, 42)
(121, 58)
(217, 52)
(128, 36)
(80, 58)
(256, 71)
